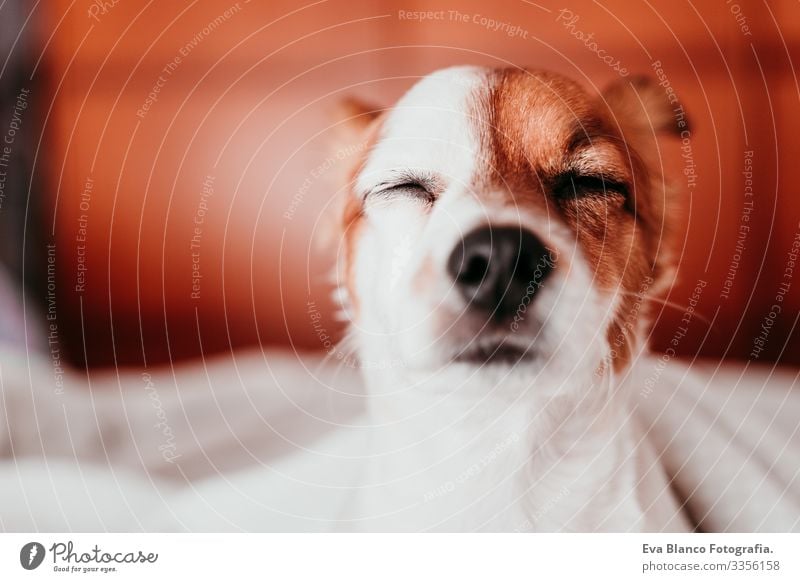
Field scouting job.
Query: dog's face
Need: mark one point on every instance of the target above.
(503, 220)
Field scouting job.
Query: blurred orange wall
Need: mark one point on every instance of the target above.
(186, 151)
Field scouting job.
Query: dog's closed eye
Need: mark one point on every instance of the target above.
(405, 190)
(573, 186)
(405, 187)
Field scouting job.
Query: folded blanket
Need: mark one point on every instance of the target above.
(188, 448)
(729, 438)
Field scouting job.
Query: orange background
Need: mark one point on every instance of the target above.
(250, 105)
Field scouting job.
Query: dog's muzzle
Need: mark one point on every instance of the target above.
(496, 268)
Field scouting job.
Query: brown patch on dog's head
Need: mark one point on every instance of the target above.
(590, 162)
(587, 161)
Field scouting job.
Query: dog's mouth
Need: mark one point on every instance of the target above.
(495, 352)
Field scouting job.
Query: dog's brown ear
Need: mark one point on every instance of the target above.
(356, 115)
(353, 123)
(640, 104)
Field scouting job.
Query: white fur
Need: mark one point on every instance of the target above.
(546, 445)
(466, 447)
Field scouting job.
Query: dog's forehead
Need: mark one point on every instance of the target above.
(537, 117)
(465, 121)
(432, 127)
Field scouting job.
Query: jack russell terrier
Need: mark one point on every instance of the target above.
(498, 234)
(500, 231)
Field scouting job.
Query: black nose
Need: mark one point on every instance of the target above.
(495, 269)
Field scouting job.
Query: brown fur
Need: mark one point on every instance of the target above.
(540, 126)
(534, 128)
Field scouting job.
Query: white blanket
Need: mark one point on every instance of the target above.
(189, 448)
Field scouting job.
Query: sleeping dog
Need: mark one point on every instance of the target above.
(499, 235)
